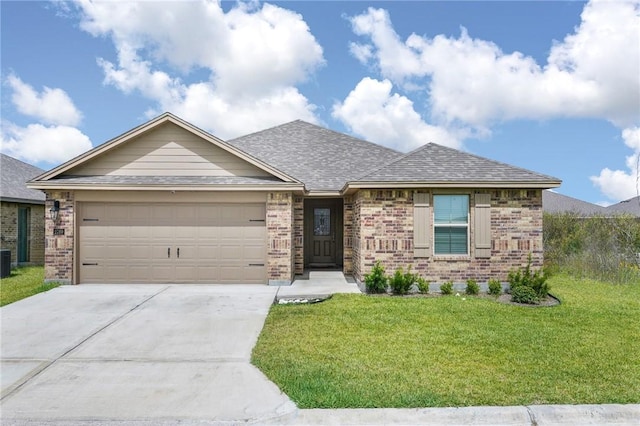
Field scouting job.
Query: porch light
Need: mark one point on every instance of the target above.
(55, 211)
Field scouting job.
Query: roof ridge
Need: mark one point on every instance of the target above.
(496, 161)
(402, 157)
(20, 161)
(317, 126)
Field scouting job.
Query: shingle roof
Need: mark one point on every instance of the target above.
(553, 202)
(436, 163)
(321, 158)
(631, 206)
(15, 174)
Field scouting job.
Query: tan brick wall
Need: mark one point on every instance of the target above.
(298, 233)
(384, 232)
(9, 228)
(280, 236)
(347, 257)
(9, 231)
(58, 251)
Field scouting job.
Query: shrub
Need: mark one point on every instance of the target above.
(524, 294)
(376, 281)
(495, 288)
(447, 288)
(423, 285)
(401, 282)
(472, 287)
(536, 280)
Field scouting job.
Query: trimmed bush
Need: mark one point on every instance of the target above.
(524, 294)
(401, 282)
(423, 285)
(447, 288)
(376, 281)
(495, 288)
(472, 287)
(536, 280)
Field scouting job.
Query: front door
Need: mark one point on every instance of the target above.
(324, 233)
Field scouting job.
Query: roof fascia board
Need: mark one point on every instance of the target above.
(149, 125)
(324, 194)
(350, 187)
(126, 187)
(21, 201)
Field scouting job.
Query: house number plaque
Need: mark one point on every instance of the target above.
(58, 231)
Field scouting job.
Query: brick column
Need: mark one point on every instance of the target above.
(280, 230)
(298, 233)
(347, 258)
(58, 249)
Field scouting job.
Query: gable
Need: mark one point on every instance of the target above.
(167, 150)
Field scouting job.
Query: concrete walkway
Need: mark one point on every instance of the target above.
(168, 354)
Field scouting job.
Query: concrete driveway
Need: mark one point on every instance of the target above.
(147, 353)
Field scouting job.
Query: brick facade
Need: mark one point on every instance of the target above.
(383, 230)
(9, 228)
(347, 260)
(281, 256)
(378, 225)
(58, 251)
(298, 233)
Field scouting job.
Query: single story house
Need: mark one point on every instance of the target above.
(558, 203)
(21, 213)
(169, 202)
(630, 206)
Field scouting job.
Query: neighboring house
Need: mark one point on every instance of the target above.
(557, 203)
(168, 202)
(22, 212)
(553, 202)
(630, 206)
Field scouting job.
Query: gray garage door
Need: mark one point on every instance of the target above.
(166, 243)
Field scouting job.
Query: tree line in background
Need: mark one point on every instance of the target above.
(598, 247)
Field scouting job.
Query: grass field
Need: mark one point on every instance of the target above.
(365, 351)
(23, 282)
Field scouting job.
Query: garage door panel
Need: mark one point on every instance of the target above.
(135, 242)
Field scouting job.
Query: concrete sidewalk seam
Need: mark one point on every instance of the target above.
(13, 389)
(532, 416)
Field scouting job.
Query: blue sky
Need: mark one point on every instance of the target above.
(549, 86)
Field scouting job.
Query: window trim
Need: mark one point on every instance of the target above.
(452, 225)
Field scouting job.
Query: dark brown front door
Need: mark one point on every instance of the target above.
(324, 236)
(323, 220)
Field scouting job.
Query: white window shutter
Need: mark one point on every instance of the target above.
(421, 224)
(482, 234)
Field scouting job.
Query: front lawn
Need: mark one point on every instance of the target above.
(23, 282)
(364, 351)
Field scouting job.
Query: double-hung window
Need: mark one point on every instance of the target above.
(451, 224)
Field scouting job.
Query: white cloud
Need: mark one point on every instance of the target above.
(52, 106)
(472, 83)
(254, 55)
(591, 73)
(618, 184)
(36, 143)
(373, 112)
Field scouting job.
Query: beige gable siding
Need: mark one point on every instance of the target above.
(168, 150)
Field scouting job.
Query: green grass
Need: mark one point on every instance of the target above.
(23, 282)
(364, 351)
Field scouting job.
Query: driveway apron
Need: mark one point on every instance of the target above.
(138, 353)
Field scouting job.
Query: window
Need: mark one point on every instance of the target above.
(321, 222)
(451, 224)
